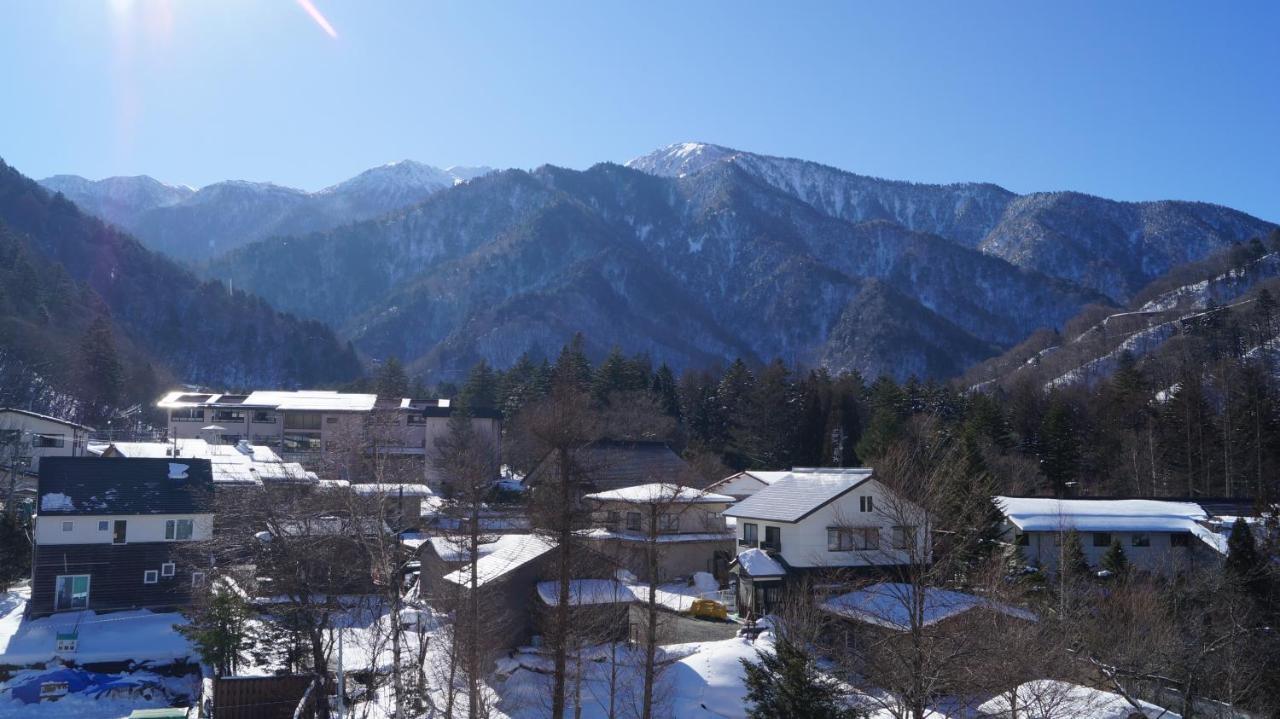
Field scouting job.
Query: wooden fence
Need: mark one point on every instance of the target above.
(261, 697)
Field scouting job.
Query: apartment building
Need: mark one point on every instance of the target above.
(305, 425)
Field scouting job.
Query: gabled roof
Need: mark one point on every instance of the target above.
(47, 418)
(87, 485)
(1043, 514)
(660, 493)
(763, 478)
(607, 464)
(510, 552)
(799, 494)
(889, 605)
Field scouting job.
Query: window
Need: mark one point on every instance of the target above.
(415, 420)
(773, 537)
(304, 420)
(1141, 540)
(103, 525)
(1102, 539)
(150, 576)
(187, 414)
(68, 526)
(48, 440)
(197, 579)
(613, 518)
(71, 591)
(120, 531)
(839, 540)
(330, 420)
(177, 529)
(904, 537)
(865, 504)
(858, 539)
(750, 533)
(1180, 539)
(668, 523)
(228, 415)
(166, 569)
(633, 521)
(262, 416)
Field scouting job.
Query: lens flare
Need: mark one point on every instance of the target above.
(319, 18)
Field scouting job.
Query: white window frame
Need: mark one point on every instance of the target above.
(171, 530)
(167, 569)
(866, 503)
(668, 522)
(197, 579)
(861, 536)
(151, 576)
(88, 585)
(638, 524)
(104, 525)
(68, 526)
(843, 540)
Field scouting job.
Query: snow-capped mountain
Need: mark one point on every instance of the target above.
(1109, 246)
(195, 225)
(118, 200)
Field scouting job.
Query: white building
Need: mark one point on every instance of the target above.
(26, 437)
(746, 483)
(823, 519)
(1156, 535)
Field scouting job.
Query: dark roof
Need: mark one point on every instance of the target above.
(50, 418)
(609, 464)
(90, 485)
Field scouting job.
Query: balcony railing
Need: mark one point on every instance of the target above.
(748, 543)
(771, 546)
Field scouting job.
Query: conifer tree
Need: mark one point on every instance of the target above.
(1245, 565)
(220, 630)
(666, 392)
(572, 368)
(786, 684)
(391, 380)
(101, 371)
(480, 392)
(1114, 560)
(15, 548)
(1074, 564)
(1059, 447)
(610, 376)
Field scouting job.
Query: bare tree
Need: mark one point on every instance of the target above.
(558, 428)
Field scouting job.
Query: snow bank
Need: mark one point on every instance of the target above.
(116, 636)
(1052, 699)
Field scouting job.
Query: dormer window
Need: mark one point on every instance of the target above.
(865, 504)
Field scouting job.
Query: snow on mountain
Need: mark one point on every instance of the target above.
(198, 224)
(680, 159)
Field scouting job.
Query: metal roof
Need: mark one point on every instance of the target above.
(797, 495)
(89, 485)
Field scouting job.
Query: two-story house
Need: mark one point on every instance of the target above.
(27, 437)
(682, 526)
(107, 533)
(821, 519)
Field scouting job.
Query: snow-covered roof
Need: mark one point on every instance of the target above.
(458, 550)
(757, 563)
(511, 551)
(45, 417)
(673, 538)
(660, 493)
(242, 463)
(392, 489)
(889, 604)
(325, 400)
(588, 591)
(1052, 699)
(802, 491)
(1042, 514)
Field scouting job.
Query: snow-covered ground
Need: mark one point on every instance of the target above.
(146, 639)
(113, 636)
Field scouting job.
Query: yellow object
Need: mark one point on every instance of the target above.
(708, 609)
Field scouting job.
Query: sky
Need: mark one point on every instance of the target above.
(1130, 100)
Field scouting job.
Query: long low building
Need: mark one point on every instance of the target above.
(307, 425)
(1156, 535)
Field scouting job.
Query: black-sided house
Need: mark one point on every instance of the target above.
(108, 533)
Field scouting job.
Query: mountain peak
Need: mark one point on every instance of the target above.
(682, 158)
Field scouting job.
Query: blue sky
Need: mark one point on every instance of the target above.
(1132, 100)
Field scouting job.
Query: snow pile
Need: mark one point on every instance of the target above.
(56, 502)
(108, 696)
(1050, 699)
(115, 636)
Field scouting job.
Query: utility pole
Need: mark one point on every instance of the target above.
(342, 684)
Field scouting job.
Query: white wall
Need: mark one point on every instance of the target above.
(804, 544)
(73, 438)
(142, 528)
(1043, 551)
